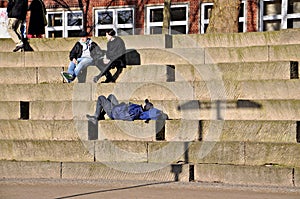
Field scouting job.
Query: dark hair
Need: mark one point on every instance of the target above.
(111, 32)
(83, 34)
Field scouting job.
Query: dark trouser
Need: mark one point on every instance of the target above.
(105, 105)
(119, 63)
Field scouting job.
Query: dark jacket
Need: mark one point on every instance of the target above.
(115, 49)
(96, 52)
(17, 9)
(37, 20)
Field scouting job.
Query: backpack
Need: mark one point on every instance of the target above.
(128, 112)
(153, 114)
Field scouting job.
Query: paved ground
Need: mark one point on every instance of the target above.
(146, 190)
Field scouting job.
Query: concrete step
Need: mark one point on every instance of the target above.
(201, 90)
(30, 75)
(160, 73)
(95, 171)
(237, 71)
(66, 44)
(167, 56)
(176, 109)
(287, 36)
(170, 130)
(195, 152)
(266, 176)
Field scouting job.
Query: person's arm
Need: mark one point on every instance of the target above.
(115, 49)
(74, 53)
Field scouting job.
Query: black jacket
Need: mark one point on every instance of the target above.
(116, 49)
(96, 52)
(17, 9)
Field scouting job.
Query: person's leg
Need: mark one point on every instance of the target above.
(14, 30)
(71, 68)
(82, 63)
(102, 67)
(112, 98)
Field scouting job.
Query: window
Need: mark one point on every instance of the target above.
(121, 19)
(178, 22)
(206, 9)
(64, 23)
(279, 14)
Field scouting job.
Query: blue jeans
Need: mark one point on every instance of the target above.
(82, 63)
(106, 105)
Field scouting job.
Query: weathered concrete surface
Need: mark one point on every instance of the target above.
(284, 52)
(127, 130)
(200, 90)
(38, 130)
(288, 36)
(188, 109)
(272, 153)
(233, 71)
(44, 150)
(248, 131)
(297, 177)
(237, 54)
(272, 89)
(30, 169)
(182, 130)
(17, 75)
(175, 130)
(121, 151)
(126, 171)
(245, 175)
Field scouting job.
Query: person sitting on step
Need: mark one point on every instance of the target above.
(84, 53)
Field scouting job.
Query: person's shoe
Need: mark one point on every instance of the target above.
(67, 76)
(92, 118)
(95, 79)
(19, 47)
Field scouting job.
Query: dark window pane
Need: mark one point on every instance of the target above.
(55, 20)
(105, 17)
(293, 23)
(207, 11)
(272, 8)
(125, 31)
(178, 14)
(125, 17)
(74, 19)
(241, 14)
(155, 30)
(272, 25)
(178, 30)
(73, 33)
(53, 34)
(156, 15)
(102, 32)
(241, 26)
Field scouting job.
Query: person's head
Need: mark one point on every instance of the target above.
(110, 34)
(83, 36)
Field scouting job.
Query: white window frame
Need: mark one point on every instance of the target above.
(172, 23)
(204, 21)
(115, 25)
(283, 17)
(64, 28)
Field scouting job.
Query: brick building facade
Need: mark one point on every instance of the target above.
(66, 18)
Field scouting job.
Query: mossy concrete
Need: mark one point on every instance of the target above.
(44, 150)
(30, 170)
(126, 171)
(244, 175)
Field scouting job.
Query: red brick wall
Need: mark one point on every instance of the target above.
(194, 10)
